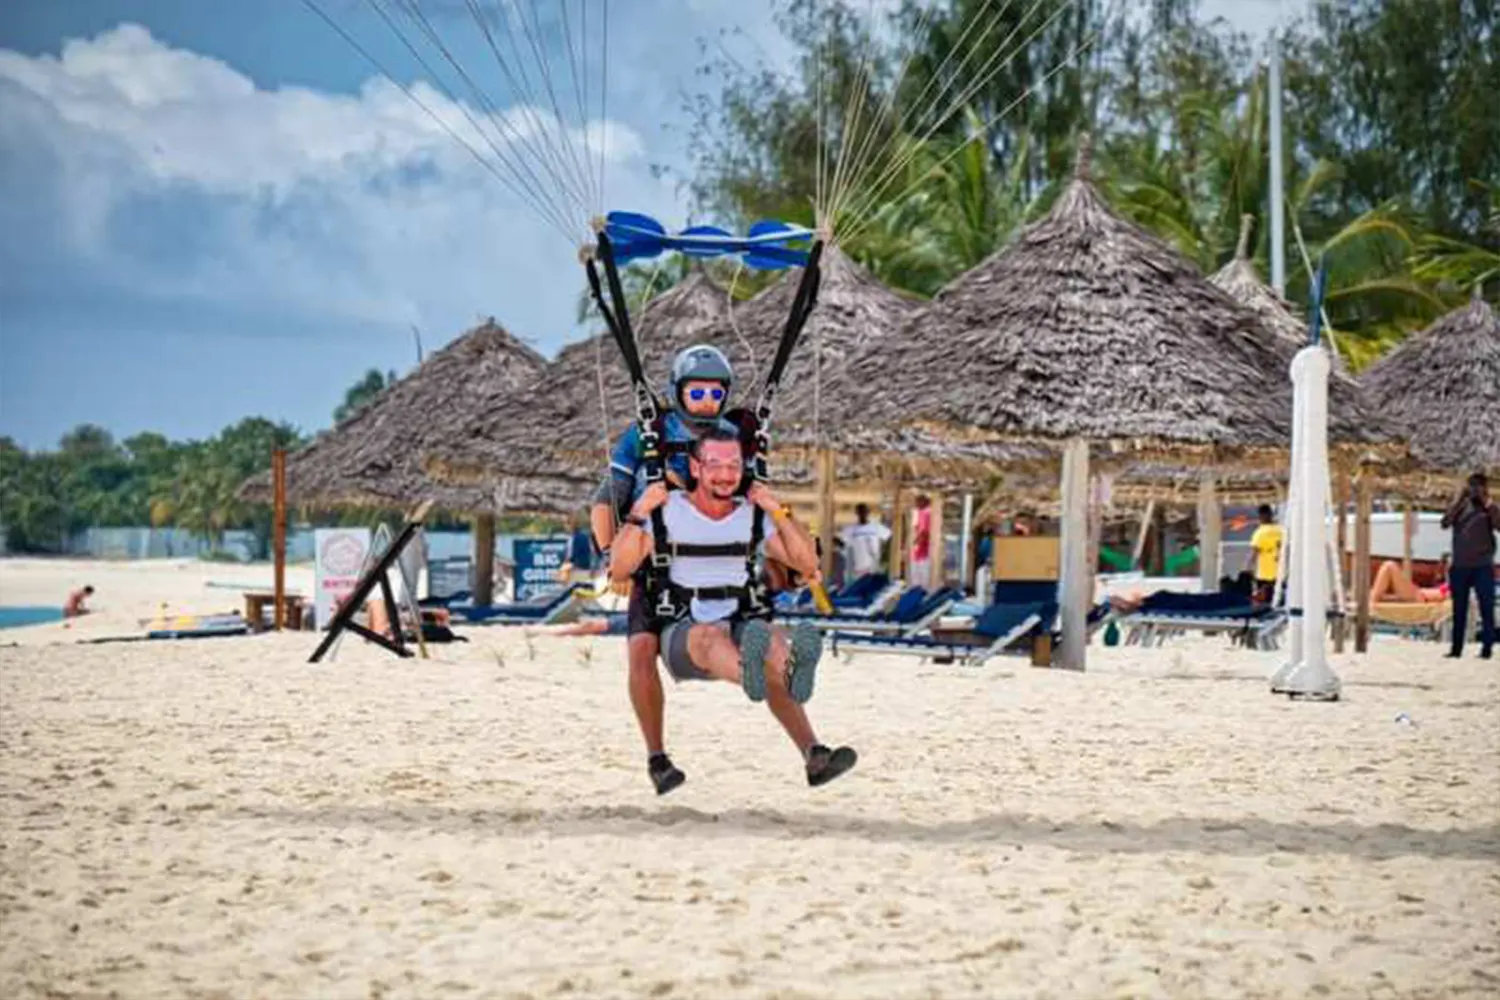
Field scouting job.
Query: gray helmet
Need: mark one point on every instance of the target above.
(700, 363)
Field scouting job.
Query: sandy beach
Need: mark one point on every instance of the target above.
(218, 818)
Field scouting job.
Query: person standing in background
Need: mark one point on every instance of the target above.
(921, 547)
(1265, 554)
(1474, 519)
(863, 541)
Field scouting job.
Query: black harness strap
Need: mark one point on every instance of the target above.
(709, 551)
(802, 307)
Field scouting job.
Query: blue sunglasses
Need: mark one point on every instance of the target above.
(697, 394)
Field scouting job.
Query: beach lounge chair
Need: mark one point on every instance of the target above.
(1001, 626)
(544, 609)
(1165, 614)
(1426, 620)
(913, 613)
(866, 597)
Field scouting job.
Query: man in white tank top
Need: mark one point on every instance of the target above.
(710, 530)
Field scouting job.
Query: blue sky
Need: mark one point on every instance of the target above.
(214, 209)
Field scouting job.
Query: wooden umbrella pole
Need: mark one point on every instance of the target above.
(278, 533)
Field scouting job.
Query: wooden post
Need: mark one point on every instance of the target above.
(827, 476)
(1159, 541)
(484, 560)
(1341, 546)
(1408, 529)
(278, 535)
(1096, 533)
(1365, 505)
(1210, 533)
(1140, 539)
(936, 547)
(1073, 590)
(1345, 499)
(898, 534)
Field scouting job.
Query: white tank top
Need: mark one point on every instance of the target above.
(687, 525)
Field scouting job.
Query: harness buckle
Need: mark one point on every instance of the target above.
(661, 560)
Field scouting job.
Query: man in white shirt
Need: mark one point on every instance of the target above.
(862, 543)
(713, 534)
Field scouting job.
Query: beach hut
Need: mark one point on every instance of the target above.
(568, 417)
(1090, 333)
(373, 459)
(1441, 389)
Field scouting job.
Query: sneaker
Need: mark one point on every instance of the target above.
(664, 774)
(823, 764)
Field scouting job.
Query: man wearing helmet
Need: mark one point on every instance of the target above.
(697, 396)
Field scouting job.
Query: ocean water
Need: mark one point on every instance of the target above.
(12, 617)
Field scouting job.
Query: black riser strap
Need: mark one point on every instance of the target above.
(708, 551)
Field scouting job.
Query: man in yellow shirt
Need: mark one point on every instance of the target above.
(1265, 553)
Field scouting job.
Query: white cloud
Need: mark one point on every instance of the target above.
(352, 205)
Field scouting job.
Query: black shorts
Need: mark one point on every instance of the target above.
(638, 621)
(674, 648)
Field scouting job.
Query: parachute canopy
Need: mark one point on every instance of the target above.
(767, 246)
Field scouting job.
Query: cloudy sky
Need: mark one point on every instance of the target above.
(212, 210)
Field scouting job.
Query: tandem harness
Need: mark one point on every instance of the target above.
(667, 602)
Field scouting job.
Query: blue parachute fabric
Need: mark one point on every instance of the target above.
(766, 247)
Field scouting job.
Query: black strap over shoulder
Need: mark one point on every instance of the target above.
(709, 551)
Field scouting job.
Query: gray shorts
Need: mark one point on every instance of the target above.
(674, 648)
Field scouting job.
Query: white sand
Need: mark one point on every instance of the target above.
(219, 818)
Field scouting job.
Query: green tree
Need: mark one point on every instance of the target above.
(362, 393)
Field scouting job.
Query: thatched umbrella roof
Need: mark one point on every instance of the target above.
(373, 459)
(1441, 388)
(1349, 407)
(581, 402)
(1084, 326)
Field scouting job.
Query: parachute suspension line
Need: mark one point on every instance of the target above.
(540, 206)
(873, 210)
(820, 207)
(986, 72)
(603, 104)
(861, 154)
(414, 13)
(802, 307)
(734, 325)
(605, 427)
(640, 336)
(595, 207)
(543, 149)
(539, 53)
(850, 115)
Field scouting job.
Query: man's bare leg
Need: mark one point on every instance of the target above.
(1391, 581)
(715, 653)
(646, 695)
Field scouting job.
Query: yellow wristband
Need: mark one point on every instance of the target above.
(781, 514)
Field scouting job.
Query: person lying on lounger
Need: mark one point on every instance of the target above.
(1393, 586)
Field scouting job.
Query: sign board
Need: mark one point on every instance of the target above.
(1022, 557)
(538, 561)
(339, 558)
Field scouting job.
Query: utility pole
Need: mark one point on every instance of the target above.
(1278, 236)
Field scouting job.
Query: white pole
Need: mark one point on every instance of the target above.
(1289, 570)
(1074, 588)
(1210, 533)
(965, 536)
(1313, 679)
(1278, 236)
